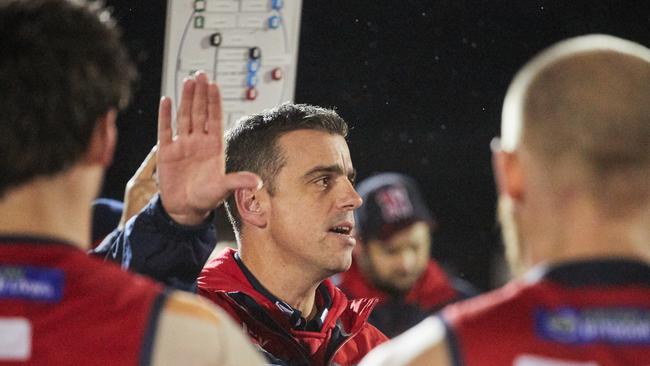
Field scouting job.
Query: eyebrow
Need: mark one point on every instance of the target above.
(335, 168)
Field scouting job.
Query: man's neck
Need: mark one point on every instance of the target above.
(50, 207)
(586, 233)
(282, 277)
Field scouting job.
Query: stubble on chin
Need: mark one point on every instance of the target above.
(337, 263)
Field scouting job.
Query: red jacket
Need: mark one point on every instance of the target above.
(58, 306)
(395, 314)
(223, 282)
(584, 313)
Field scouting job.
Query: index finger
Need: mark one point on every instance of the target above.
(165, 121)
(215, 115)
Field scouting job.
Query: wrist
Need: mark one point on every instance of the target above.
(190, 218)
(184, 217)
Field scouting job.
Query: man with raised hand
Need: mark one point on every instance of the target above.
(64, 74)
(572, 170)
(293, 233)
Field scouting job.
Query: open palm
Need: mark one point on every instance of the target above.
(191, 165)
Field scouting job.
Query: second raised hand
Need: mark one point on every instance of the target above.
(191, 165)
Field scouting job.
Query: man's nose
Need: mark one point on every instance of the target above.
(350, 199)
(406, 261)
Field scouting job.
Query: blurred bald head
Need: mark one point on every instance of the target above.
(582, 109)
(573, 169)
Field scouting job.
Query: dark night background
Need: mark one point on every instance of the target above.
(420, 82)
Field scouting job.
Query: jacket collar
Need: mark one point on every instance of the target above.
(224, 275)
(297, 321)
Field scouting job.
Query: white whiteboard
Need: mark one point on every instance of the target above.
(250, 47)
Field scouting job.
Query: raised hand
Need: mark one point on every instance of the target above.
(191, 165)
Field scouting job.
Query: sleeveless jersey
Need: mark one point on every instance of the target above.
(594, 313)
(58, 306)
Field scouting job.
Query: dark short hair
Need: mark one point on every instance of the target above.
(252, 144)
(62, 68)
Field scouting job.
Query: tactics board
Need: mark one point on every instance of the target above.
(250, 47)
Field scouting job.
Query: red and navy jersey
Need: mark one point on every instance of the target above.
(582, 313)
(395, 313)
(58, 306)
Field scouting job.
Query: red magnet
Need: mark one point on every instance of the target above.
(276, 74)
(251, 94)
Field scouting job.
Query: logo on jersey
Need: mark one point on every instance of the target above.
(618, 325)
(31, 283)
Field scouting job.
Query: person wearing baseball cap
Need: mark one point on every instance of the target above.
(392, 257)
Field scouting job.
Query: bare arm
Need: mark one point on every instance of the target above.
(191, 331)
(140, 189)
(423, 345)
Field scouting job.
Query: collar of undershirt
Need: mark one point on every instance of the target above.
(33, 240)
(599, 272)
(323, 302)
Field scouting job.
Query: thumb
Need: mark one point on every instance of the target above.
(241, 180)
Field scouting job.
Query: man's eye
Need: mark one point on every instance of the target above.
(323, 182)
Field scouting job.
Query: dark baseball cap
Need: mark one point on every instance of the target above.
(391, 202)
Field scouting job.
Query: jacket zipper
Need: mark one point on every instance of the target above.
(352, 335)
(283, 335)
(331, 358)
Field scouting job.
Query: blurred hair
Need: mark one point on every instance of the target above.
(62, 68)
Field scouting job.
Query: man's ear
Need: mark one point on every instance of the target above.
(103, 140)
(508, 173)
(250, 207)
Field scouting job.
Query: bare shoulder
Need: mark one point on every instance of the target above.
(192, 331)
(424, 344)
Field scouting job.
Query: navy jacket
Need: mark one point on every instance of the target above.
(154, 245)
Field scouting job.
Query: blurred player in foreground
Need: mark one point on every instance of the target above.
(64, 74)
(573, 173)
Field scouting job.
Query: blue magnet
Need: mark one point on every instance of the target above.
(253, 66)
(277, 4)
(274, 22)
(251, 80)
